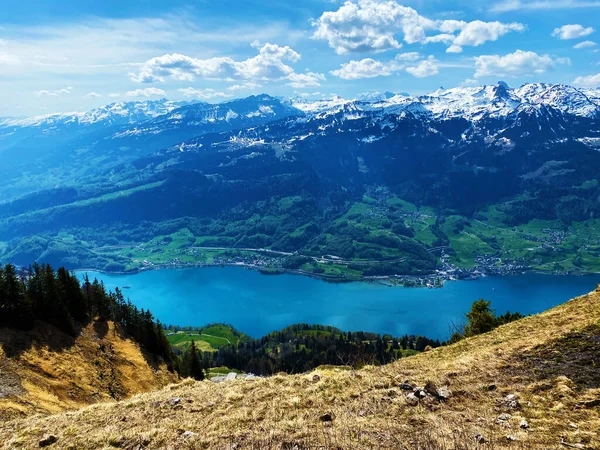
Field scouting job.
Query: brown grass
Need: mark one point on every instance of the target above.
(67, 373)
(368, 409)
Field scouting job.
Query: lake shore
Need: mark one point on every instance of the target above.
(435, 280)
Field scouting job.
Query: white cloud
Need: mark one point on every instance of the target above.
(592, 81)
(8, 59)
(114, 95)
(477, 32)
(55, 93)
(585, 44)
(469, 82)
(454, 49)
(373, 26)
(305, 80)
(533, 5)
(515, 64)
(248, 85)
(409, 56)
(425, 68)
(203, 94)
(148, 92)
(574, 31)
(366, 68)
(267, 65)
(92, 95)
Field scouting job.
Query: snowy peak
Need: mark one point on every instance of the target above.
(118, 113)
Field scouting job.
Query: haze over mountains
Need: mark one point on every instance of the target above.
(533, 150)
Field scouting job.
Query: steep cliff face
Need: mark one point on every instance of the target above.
(533, 383)
(47, 371)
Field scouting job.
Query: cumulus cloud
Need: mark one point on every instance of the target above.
(373, 26)
(408, 56)
(573, 31)
(148, 92)
(203, 94)
(248, 85)
(268, 64)
(92, 95)
(585, 44)
(592, 81)
(366, 68)
(425, 68)
(55, 93)
(305, 80)
(533, 5)
(515, 64)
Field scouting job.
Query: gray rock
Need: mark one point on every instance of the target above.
(510, 437)
(231, 376)
(511, 401)
(406, 387)
(524, 425)
(412, 399)
(420, 392)
(444, 393)
(316, 378)
(175, 401)
(503, 417)
(218, 379)
(48, 440)
(188, 434)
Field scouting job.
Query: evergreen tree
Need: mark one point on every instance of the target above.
(481, 318)
(193, 363)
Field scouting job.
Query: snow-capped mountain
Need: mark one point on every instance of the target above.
(201, 118)
(470, 103)
(118, 113)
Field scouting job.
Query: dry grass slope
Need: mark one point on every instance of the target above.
(556, 389)
(66, 373)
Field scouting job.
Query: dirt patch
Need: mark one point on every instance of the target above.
(10, 382)
(576, 356)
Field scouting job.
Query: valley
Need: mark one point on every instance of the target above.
(457, 184)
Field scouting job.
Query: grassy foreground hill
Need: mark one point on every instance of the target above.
(534, 383)
(46, 371)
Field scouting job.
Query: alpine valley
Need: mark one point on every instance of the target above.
(453, 184)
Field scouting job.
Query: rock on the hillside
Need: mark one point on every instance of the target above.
(524, 425)
(412, 399)
(187, 434)
(511, 401)
(510, 437)
(406, 386)
(420, 392)
(444, 393)
(231, 376)
(503, 418)
(316, 378)
(175, 401)
(218, 379)
(480, 439)
(47, 440)
(430, 388)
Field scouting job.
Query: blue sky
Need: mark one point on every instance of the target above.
(63, 56)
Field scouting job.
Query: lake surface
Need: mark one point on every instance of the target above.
(257, 304)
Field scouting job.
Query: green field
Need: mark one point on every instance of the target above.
(207, 339)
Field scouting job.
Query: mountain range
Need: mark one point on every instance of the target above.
(369, 180)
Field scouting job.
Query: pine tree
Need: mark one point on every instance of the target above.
(193, 364)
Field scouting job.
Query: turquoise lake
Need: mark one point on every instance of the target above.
(258, 304)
